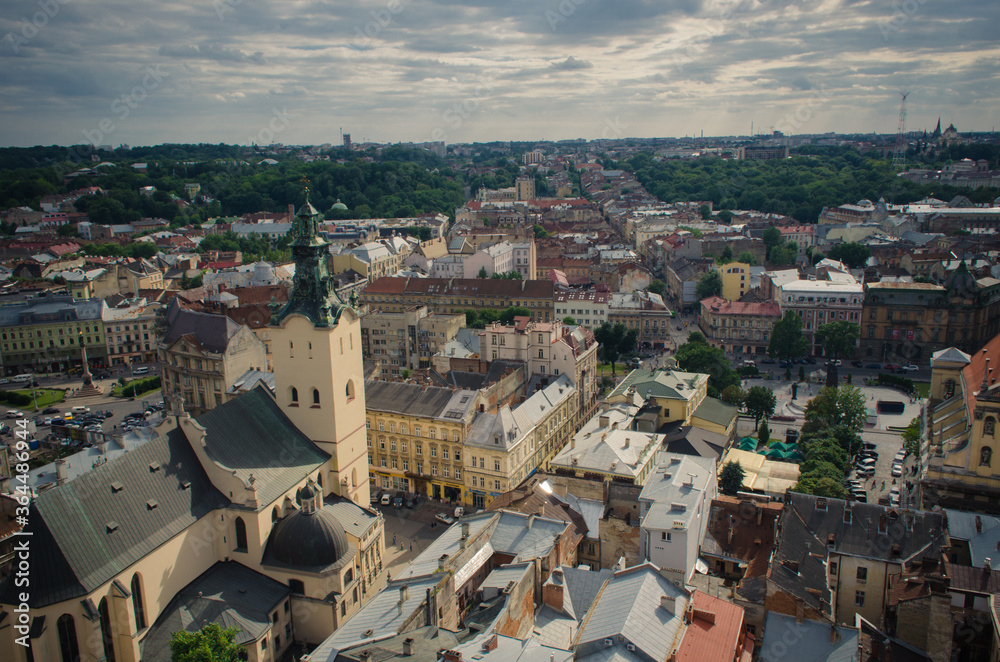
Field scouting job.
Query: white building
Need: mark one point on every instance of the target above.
(587, 308)
(673, 513)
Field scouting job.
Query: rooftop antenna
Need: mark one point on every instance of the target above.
(899, 154)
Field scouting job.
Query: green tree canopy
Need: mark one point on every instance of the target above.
(508, 315)
(569, 321)
(698, 356)
(209, 644)
(820, 484)
(709, 285)
(852, 254)
(839, 405)
(759, 403)
(787, 342)
(482, 273)
(911, 437)
(771, 238)
(746, 257)
(764, 433)
(838, 338)
(615, 339)
(731, 478)
(733, 395)
(657, 287)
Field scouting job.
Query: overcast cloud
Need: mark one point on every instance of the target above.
(146, 71)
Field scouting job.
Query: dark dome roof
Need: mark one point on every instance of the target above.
(308, 540)
(306, 492)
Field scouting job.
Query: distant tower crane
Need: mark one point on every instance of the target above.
(899, 154)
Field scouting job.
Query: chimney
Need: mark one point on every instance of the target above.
(465, 529)
(404, 592)
(668, 602)
(603, 421)
(552, 590)
(882, 524)
(987, 564)
(979, 524)
(531, 520)
(626, 442)
(441, 561)
(833, 633)
(729, 536)
(61, 475)
(490, 644)
(760, 514)
(408, 646)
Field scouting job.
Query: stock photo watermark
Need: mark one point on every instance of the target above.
(456, 115)
(47, 10)
(21, 569)
(365, 34)
(902, 12)
(123, 106)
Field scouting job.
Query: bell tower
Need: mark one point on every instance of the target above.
(318, 374)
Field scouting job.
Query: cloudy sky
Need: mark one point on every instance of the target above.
(292, 71)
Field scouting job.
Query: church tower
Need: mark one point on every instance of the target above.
(318, 374)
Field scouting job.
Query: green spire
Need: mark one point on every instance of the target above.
(313, 293)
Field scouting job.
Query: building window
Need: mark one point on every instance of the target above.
(295, 395)
(859, 598)
(107, 634)
(496, 465)
(316, 397)
(350, 389)
(862, 574)
(949, 388)
(496, 485)
(68, 644)
(140, 613)
(989, 426)
(241, 535)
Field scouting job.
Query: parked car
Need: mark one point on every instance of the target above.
(897, 470)
(386, 499)
(835, 362)
(635, 362)
(768, 361)
(867, 470)
(791, 435)
(398, 501)
(874, 366)
(14, 413)
(444, 519)
(50, 410)
(910, 368)
(857, 364)
(459, 512)
(891, 367)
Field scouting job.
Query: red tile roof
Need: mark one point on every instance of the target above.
(715, 630)
(723, 307)
(973, 373)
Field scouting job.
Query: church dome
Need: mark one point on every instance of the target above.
(308, 539)
(339, 205)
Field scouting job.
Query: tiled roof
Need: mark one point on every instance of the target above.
(714, 632)
(418, 400)
(211, 331)
(723, 307)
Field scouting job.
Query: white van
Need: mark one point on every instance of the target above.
(141, 371)
(22, 378)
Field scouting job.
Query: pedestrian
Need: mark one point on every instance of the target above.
(394, 539)
(411, 546)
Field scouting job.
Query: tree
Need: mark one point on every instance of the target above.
(482, 273)
(838, 338)
(772, 238)
(67, 230)
(802, 373)
(764, 433)
(787, 341)
(616, 339)
(733, 395)
(746, 257)
(569, 321)
(540, 232)
(783, 255)
(911, 437)
(820, 485)
(726, 256)
(406, 372)
(760, 403)
(731, 478)
(698, 356)
(852, 254)
(508, 315)
(709, 285)
(209, 644)
(706, 212)
(656, 287)
(843, 405)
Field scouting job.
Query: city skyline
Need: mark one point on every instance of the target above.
(238, 71)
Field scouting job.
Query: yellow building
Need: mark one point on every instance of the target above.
(45, 334)
(669, 395)
(735, 280)
(959, 431)
(416, 437)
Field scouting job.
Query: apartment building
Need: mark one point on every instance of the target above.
(408, 339)
(202, 355)
(735, 280)
(822, 301)
(587, 308)
(739, 326)
(456, 295)
(130, 333)
(374, 259)
(417, 436)
(644, 311)
(549, 349)
(44, 334)
(505, 447)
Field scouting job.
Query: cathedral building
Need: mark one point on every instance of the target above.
(255, 513)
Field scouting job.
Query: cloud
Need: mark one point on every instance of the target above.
(572, 63)
(391, 70)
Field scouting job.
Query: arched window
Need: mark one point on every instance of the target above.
(296, 586)
(315, 396)
(350, 390)
(107, 636)
(949, 388)
(989, 426)
(319, 479)
(985, 456)
(295, 395)
(274, 515)
(140, 613)
(67, 638)
(349, 576)
(241, 535)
